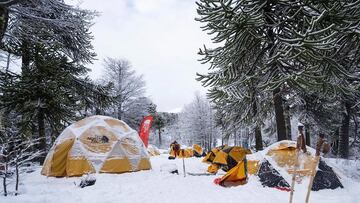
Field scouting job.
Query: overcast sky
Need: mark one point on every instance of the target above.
(161, 40)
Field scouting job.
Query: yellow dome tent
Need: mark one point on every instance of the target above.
(96, 144)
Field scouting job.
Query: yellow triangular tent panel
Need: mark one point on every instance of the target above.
(238, 153)
(59, 158)
(77, 166)
(198, 149)
(220, 158)
(113, 165)
(238, 173)
(144, 164)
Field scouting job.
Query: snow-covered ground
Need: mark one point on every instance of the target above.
(158, 185)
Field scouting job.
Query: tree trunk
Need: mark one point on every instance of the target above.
(356, 126)
(4, 19)
(258, 138)
(211, 141)
(25, 57)
(288, 122)
(5, 172)
(277, 99)
(279, 115)
(235, 139)
(17, 177)
(335, 143)
(97, 111)
(307, 135)
(41, 134)
(344, 133)
(159, 131)
(4, 185)
(245, 141)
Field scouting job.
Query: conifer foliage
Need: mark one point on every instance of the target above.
(53, 41)
(266, 49)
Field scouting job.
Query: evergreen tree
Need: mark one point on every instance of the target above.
(53, 51)
(50, 23)
(277, 45)
(44, 95)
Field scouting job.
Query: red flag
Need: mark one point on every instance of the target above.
(145, 129)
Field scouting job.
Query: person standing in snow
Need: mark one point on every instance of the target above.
(176, 148)
(300, 142)
(322, 145)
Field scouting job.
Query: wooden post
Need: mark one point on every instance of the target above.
(313, 172)
(300, 145)
(319, 145)
(294, 175)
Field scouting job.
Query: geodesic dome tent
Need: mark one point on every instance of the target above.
(96, 144)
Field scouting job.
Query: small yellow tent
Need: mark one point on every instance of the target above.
(238, 174)
(185, 153)
(198, 150)
(210, 156)
(225, 157)
(96, 144)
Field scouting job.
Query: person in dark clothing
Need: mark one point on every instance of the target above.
(300, 143)
(175, 147)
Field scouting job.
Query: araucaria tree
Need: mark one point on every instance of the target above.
(270, 48)
(54, 51)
